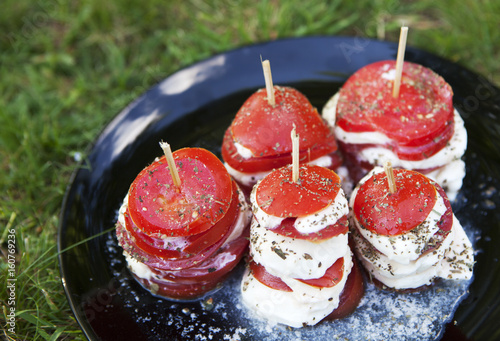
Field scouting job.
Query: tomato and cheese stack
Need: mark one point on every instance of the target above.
(258, 139)
(418, 130)
(300, 258)
(181, 241)
(409, 238)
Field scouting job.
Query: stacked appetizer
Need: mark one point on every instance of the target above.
(301, 268)
(258, 139)
(407, 236)
(182, 231)
(418, 130)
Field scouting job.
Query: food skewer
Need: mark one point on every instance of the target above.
(399, 61)
(171, 163)
(266, 66)
(390, 177)
(295, 155)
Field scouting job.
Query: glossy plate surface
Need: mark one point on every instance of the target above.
(193, 107)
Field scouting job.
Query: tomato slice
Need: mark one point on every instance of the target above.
(184, 247)
(445, 223)
(178, 291)
(288, 229)
(155, 261)
(268, 163)
(358, 168)
(410, 153)
(279, 196)
(214, 267)
(158, 208)
(260, 273)
(351, 295)
(332, 277)
(128, 243)
(388, 214)
(422, 115)
(195, 282)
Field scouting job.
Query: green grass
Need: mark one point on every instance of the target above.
(67, 67)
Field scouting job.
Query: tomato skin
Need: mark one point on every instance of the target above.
(155, 261)
(422, 115)
(445, 223)
(178, 291)
(409, 153)
(159, 209)
(223, 261)
(332, 277)
(188, 284)
(268, 163)
(287, 229)
(265, 131)
(279, 196)
(264, 277)
(351, 295)
(358, 168)
(388, 214)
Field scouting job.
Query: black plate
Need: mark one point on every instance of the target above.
(193, 107)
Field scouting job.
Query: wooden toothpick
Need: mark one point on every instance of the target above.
(390, 177)
(266, 66)
(171, 164)
(295, 155)
(399, 61)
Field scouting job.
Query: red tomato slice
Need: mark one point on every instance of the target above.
(184, 247)
(279, 196)
(288, 230)
(359, 168)
(152, 260)
(199, 242)
(260, 273)
(128, 243)
(445, 223)
(351, 295)
(152, 245)
(158, 208)
(332, 277)
(388, 214)
(422, 115)
(178, 291)
(195, 282)
(214, 267)
(268, 163)
(265, 131)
